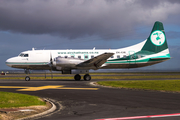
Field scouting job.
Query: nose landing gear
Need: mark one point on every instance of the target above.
(27, 78)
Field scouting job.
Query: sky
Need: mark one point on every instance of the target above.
(85, 24)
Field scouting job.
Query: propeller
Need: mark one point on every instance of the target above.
(51, 64)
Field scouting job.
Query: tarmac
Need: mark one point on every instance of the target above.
(81, 101)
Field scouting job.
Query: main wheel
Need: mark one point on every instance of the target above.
(87, 77)
(27, 78)
(77, 77)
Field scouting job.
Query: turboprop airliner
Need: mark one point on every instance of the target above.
(151, 51)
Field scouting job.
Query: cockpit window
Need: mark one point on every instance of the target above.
(26, 55)
(23, 55)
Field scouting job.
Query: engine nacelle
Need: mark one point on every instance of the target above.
(60, 62)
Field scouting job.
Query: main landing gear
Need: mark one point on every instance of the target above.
(86, 77)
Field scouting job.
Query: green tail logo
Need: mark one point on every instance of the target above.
(158, 34)
(157, 38)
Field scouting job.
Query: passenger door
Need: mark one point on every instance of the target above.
(132, 57)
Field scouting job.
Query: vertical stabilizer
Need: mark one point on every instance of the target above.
(156, 42)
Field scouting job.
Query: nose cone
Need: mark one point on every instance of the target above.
(7, 62)
(10, 61)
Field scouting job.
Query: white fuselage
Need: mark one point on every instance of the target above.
(123, 58)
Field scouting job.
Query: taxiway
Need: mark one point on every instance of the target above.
(81, 101)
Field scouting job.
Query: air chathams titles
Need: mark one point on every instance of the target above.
(84, 52)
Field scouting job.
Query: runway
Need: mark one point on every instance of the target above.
(81, 101)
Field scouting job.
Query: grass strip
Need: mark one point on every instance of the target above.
(158, 85)
(9, 100)
(136, 77)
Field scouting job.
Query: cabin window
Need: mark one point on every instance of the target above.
(118, 56)
(112, 56)
(65, 56)
(79, 57)
(92, 56)
(124, 56)
(86, 56)
(72, 56)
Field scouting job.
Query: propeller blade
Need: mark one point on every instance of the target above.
(51, 59)
(51, 64)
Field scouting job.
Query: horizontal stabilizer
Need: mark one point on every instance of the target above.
(159, 58)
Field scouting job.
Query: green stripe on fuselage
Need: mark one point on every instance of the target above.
(160, 58)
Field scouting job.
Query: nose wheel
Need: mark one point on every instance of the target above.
(27, 78)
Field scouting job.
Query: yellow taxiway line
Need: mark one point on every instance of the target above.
(22, 88)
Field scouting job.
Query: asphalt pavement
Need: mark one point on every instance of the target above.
(81, 101)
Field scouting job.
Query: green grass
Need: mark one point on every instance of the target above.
(158, 85)
(134, 73)
(9, 100)
(136, 77)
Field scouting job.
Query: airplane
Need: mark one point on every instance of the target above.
(151, 51)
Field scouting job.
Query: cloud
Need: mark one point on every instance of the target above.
(173, 34)
(77, 18)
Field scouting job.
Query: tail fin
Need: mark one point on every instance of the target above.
(156, 41)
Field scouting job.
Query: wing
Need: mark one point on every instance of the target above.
(95, 62)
